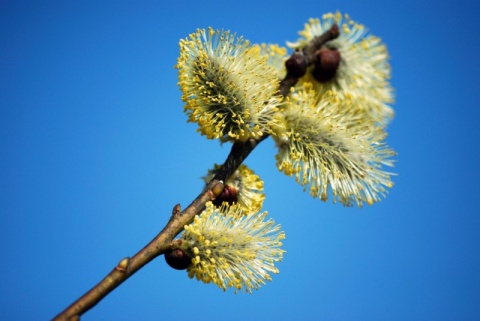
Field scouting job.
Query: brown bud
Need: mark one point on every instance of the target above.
(217, 189)
(177, 259)
(296, 65)
(327, 65)
(123, 264)
(229, 195)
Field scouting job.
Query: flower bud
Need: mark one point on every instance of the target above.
(296, 65)
(243, 187)
(229, 195)
(327, 65)
(177, 259)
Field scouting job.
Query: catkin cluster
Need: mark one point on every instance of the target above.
(329, 131)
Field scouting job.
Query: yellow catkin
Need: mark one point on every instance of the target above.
(231, 249)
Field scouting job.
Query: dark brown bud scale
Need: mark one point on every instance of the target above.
(177, 259)
(327, 65)
(296, 65)
(229, 195)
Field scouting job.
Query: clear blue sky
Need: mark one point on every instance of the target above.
(95, 152)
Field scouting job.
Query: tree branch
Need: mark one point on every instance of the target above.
(128, 266)
(239, 152)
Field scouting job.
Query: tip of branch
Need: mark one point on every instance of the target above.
(334, 31)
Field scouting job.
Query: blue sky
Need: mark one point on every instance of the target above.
(95, 152)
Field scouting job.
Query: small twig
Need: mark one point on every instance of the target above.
(317, 42)
(238, 154)
(127, 267)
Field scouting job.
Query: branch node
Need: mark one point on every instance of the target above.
(296, 65)
(176, 244)
(123, 265)
(176, 210)
(216, 190)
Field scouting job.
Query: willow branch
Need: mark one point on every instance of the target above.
(128, 266)
(238, 153)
